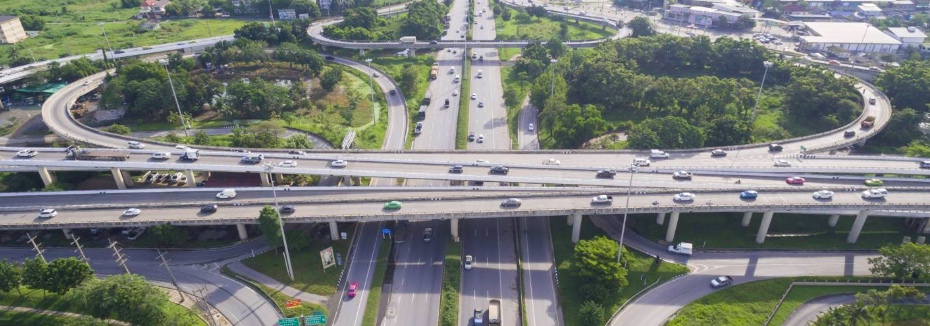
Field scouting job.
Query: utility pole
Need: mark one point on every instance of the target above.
(36, 247)
(202, 301)
(164, 262)
(120, 258)
(80, 248)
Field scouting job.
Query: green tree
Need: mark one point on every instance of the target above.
(595, 260)
(297, 240)
(726, 130)
(903, 128)
(908, 261)
(641, 27)
(577, 125)
(119, 129)
(169, 235)
(592, 313)
(11, 277)
(299, 141)
(556, 47)
(330, 78)
(906, 85)
(270, 223)
(35, 274)
(124, 297)
(671, 132)
(424, 20)
(201, 138)
(65, 274)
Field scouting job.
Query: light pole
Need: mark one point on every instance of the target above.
(180, 115)
(629, 189)
(287, 254)
(374, 115)
(105, 37)
(552, 87)
(768, 64)
(271, 14)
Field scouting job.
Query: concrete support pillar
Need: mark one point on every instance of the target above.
(924, 226)
(191, 180)
(569, 221)
(454, 226)
(764, 227)
(266, 182)
(660, 218)
(361, 52)
(857, 226)
(47, 177)
(672, 226)
(68, 234)
(128, 179)
(576, 227)
(118, 176)
(412, 53)
(833, 219)
(243, 234)
(279, 178)
(861, 143)
(333, 230)
(747, 218)
(347, 181)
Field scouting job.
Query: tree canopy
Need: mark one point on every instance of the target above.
(124, 297)
(907, 86)
(908, 262)
(596, 261)
(270, 223)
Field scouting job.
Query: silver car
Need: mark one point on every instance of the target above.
(511, 203)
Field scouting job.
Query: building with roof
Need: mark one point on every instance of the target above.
(842, 5)
(908, 36)
(720, 15)
(11, 30)
(848, 36)
(869, 10)
(153, 8)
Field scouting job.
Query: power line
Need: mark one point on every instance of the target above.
(120, 258)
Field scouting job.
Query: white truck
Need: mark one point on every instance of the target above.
(655, 153)
(190, 155)
(682, 248)
(602, 199)
(408, 39)
(494, 313)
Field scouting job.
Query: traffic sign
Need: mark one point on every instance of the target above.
(289, 322)
(318, 318)
(803, 149)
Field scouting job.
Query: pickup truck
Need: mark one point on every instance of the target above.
(602, 199)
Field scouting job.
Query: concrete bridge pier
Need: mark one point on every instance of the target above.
(361, 52)
(47, 177)
(191, 180)
(672, 226)
(576, 227)
(279, 178)
(266, 179)
(347, 181)
(857, 226)
(660, 218)
(68, 234)
(412, 53)
(747, 218)
(833, 219)
(764, 227)
(454, 226)
(243, 234)
(118, 176)
(333, 231)
(861, 142)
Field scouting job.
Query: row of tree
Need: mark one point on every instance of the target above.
(424, 20)
(909, 93)
(279, 33)
(708, 87)
(874, 305)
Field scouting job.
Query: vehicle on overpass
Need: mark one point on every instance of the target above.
(339, 164)
(605, 174)
(393, 205)
(795, 180)
(749, 194)
(718, 153)
(190, 155)
(683, 196)
(874, 182)
(228, 193)
(873, 194)
(823, 194)
(655, 153)
(27, 153)
(684, 175)
(132, 212)
(782, 163)
(48, 213)
(602, 200)
(161, 156)
(97, 154)
(511, 203)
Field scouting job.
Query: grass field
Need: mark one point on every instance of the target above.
(279, 299)
(309, 275)
(377, 280)
(545, 28)
(521, 87)
(787, 231)
(569, 284)
(451, 279)
(37, 319)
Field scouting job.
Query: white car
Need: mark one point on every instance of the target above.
(181, 147)
(551, 161)
(782, 163)
(228, 193)
(339, 164)
(48, 213)
(132, 212)
(530, 127)
(469, 261)
(684, 196)
(641, 161)
(823, 194)
(136, 145)
(872, 194)
(455, 92)
(480, 139)
(27, 153)
(376, 75)
(474, 96)
(161, 156)
(288, 164)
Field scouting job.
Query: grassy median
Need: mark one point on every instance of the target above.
(461, 132)
(377, 280)
(451, 279)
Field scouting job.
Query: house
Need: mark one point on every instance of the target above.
(908, 36)
(154, 9)
(150, 25)
(851, 37)
(11, 30)
(869, 10)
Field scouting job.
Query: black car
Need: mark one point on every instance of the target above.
(718, 153)
(393, 92)
(606, 174)
(456, 169)
(775, 148)
(849, 133)
(288, 209)
(297, 152)
(330, 58)
(208, 208)
(434, 42)
(497, 169)
(471, 136)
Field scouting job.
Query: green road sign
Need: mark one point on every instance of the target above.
(317, 319)
(289, 322)
(803, 149)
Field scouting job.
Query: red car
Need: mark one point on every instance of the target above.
(353, 287)
(795, 180)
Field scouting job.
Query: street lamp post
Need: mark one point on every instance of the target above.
(374, 115)
(287, 254)
(629, 190)
(105, 37)
(552, 87)
(768, 64)
(270, 13)
(176, 103)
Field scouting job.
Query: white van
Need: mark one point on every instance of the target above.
(655, 153)
(683, 248)
(457, 79)
(479, 74)
(161, 156)
(226, 194)
(641, 161)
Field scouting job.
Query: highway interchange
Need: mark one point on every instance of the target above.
(416, 302)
